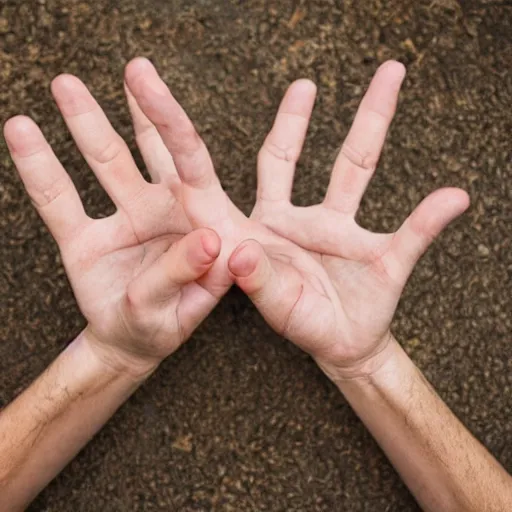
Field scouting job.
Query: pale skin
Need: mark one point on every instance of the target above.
(144, 281)
(134, 275)
(332, 287)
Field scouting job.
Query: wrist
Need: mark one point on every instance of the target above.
(389, 376)
(114, 360)
(387, 351)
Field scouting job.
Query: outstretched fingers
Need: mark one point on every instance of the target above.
(282, 148)
(419, 230)
(361, 150)
(189, 152)
(47, 183)
(104, 149)
(157, 158)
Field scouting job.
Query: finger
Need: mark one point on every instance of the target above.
(274, 287)
(157, 158)
(105, 151)
(361, 150)
(283, 146)
(186, 261)
(420, 229)
(47, 183)
(189, 152)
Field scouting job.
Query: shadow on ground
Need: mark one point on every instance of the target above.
(239, 419)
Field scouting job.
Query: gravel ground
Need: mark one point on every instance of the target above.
(239, 420)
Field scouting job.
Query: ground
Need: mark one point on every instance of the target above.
(239, 420)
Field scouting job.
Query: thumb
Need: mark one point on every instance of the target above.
(273, 286)
(252, 269)
(420, 229)
(185, 261)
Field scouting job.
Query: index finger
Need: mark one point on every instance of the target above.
(188, 150)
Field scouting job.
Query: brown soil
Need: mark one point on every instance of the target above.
(239, 419)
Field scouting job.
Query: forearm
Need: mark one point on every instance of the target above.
(48, 424)
(443, 465)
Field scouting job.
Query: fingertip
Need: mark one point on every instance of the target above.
(143, 80)
(306, 86)
(18, 125)
(211, 243)
(202, 248)
(452, 197)
(437, 210)
(394, 67)
(463, 198)
(137, 66)
(299, 98)
(22, 135)
(244, 260)
(148, 88)
(72, 95)
(65, 83)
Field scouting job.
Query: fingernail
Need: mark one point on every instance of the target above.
(211, 245)
(242, 265)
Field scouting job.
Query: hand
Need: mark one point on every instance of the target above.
(133, 273)
(317, 277)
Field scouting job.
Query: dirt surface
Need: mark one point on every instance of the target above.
(239, 419)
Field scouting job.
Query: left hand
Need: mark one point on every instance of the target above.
(317, 277)
(134, 273)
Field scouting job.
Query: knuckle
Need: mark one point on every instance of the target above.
(110, 151)
(51, 192)
(365, 160)
(283, 153)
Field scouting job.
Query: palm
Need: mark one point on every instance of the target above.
(344, 280)
(316, 276)
(109, 254)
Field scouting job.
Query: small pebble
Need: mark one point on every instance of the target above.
(483, 250)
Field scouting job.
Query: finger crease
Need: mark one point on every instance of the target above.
(365, 162)
(284, 154)
(53, 192)
(110, 153)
